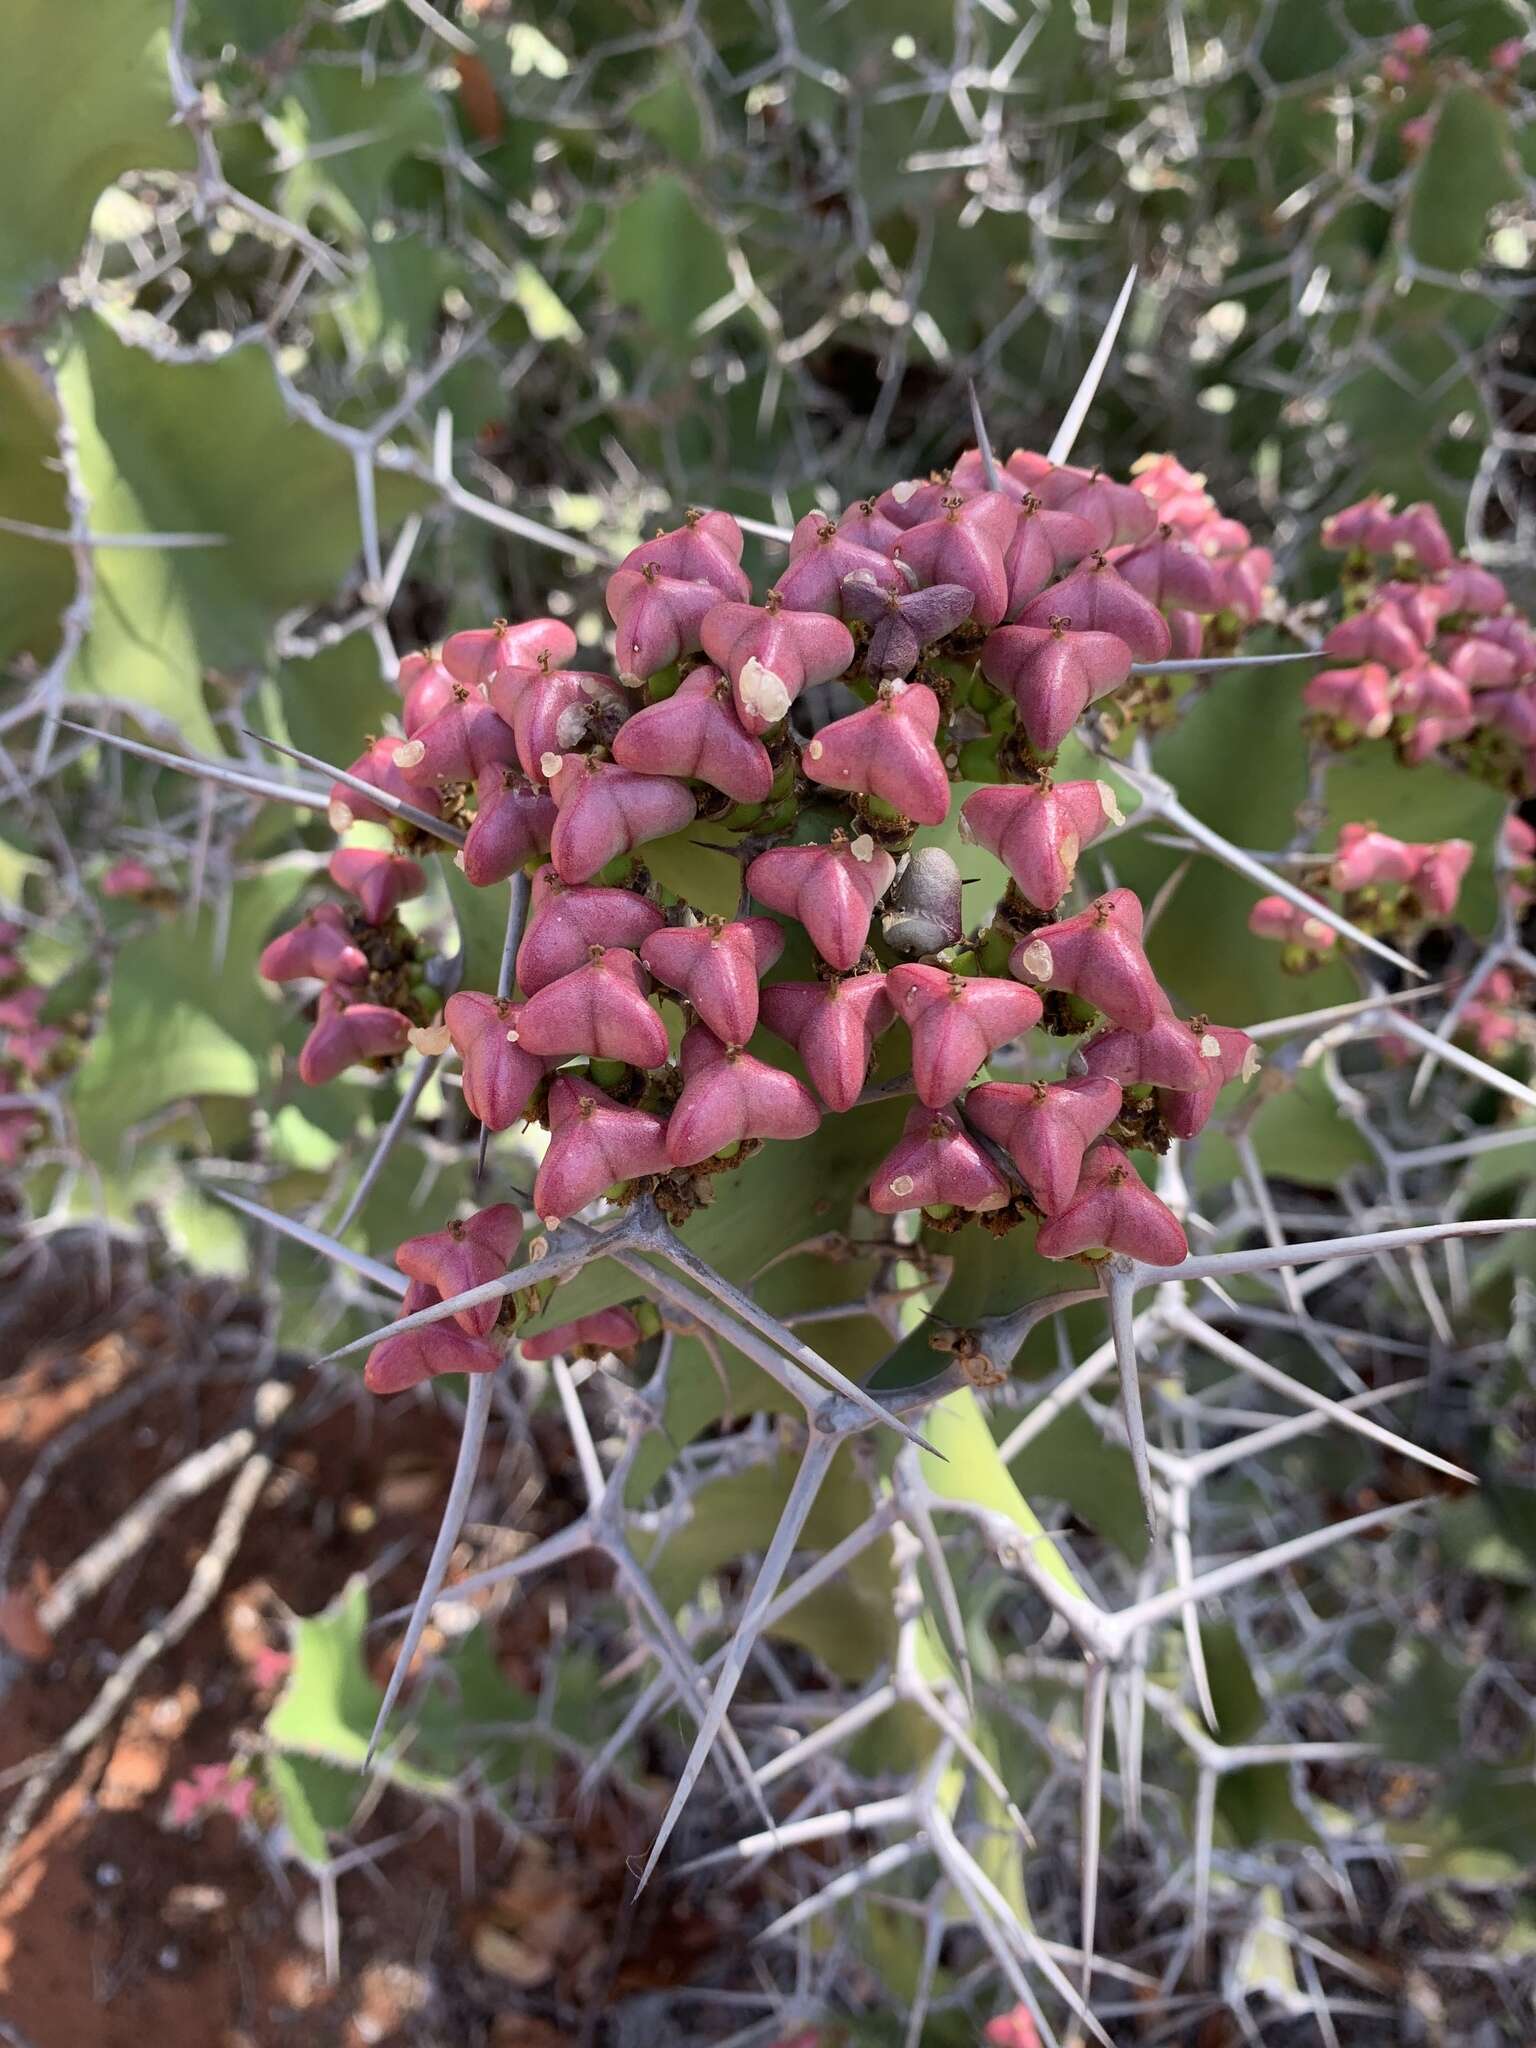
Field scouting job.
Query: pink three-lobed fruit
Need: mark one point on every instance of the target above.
(771, 654)
(1045, 1128)
(936, 1164)
(831, 889)
(349, 1034)
(606, 811)
(886, 750)
(499, 1072)
(956, 1022)
(730, 1097)
(1096, 955)
(695, 734)
(380, 881)
(319, 948)
(463, 1255)
(717, 966)
(564, 923)
(1112, 1209)
(1038, 829)
(606, 1329)
(833, 1026)
(594, 1144)
(600, 1009)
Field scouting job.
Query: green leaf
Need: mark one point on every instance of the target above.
(664, 259)
(1466, 171)
(80, 102)
(37, 577)
(202, 447)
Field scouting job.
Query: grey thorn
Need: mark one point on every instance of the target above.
(1067, 433)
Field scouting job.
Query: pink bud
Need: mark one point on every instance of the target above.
(1506, 58)
(833, 1026)
(1379, 633)
(1097, 599)
(1276, 917)
(820, 557)
(1514, 633)
(771, 655)
(832, 890)
(377, 767)
(936, 1164)
(500, 1073)
(552, 714)
(871, 528)
(513, 823)
(706, 548)
(729, 1097)
(346, 1034)
(1438, 877)
(886, 750)
(1428, 690)
(1368, 525)
(1179, 494)
(1172, 574)
(1053, 675)
(396, 1364)
(319, 949)
(1044, 544)
(1481, 664)
(380, 881)
(1358, 697)
(903, 624)
(130, 879)
(477, 657)
(966, 545)
(593, 1145)
(606, 1329)
(1512, 712)
(717, 966)
(606, 811)
(426, 687)
(911, 502)
(1242, 583)
(466, 1255)
(1113, 1210)
(464, 738)
(1045, 1128)
(695, 734)
(1119, 514)
(599, 1009)
(1475, 590)
(564, 924)
(956, 1022)
(656, 620)
(1420, 532)
(1186, 1112)
(1365, 858)
(1172, 1053)
(1015, 2029)
(1097, 955)
(1038, 829)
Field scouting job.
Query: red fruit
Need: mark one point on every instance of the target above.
(1053, 675)
(593, 1144)
(1438, 877)
(865, 523)
(936, 1164)
(599, 1009)
(729, 1097)
(771, 655)
(1365, 858)
(513, 823)
(1276, 917)
(695, 734)
(476, 658)
(319, 949)
(1045, 1128)
(1097, 955)
(1359, 697)
(1044, 544)
(717, 966)
(1174, 1053)
(1481, 664)
(1429, 690)
(426, 688)
(706, 548)
(955, 1023)
(1475, 590)
(1379, 633)
(464, 1255)
(1118, 513)
(380, 881)
(465, 738)
(552, 714)
(606, 811)
(833, 1026)
(606, 1329)
(832, 890)
(966, 544)
(820, 557)
(564, 924)
(1113, 1210)
(1187, 1111)
(1171, 574)
(398, 1363)
(499, 1071)
(656, 619)
(1038, 829)
(346, 1034)
(886, 750)
(377, 766)
(1097, 599)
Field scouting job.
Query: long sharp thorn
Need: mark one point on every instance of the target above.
(1184, 1574)
(555, 1260)
(1095, 1698)
(1334, 1013)
(1447, 1025)
(983, 439)
(1210, 663)
(422, 820)
(882, 1864)
(1456, 1056)
(819, 1453)
(383, 1277)
(1067, 433)
(1120, 1282)
(477, 1411)
(206, 771)
(1223, 1265)
(389, 1137)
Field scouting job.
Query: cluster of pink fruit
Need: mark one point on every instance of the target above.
(1385, 885)
(1433, 653)
(31, 1052)
(945, 610)
(1408, 69)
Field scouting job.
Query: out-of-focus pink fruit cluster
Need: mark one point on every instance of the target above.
(31, 1052)
(1384, 885)
(635, 1030)
(1431, 652)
